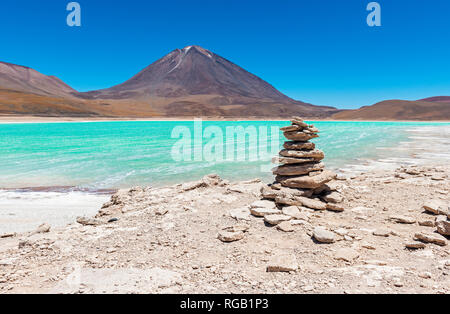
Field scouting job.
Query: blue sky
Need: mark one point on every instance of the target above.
(319, 51)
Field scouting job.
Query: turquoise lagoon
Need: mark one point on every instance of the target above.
(111, 155)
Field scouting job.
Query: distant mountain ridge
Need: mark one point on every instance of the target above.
(188, 82)
(21, 78)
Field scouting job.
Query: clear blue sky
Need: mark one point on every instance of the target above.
(320, 51)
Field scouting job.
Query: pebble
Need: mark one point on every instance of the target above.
(276, 219)
(324, 236)
(285, 226)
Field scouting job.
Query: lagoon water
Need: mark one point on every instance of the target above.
(54, 172)
(111, 155)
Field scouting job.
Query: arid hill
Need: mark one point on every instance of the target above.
(425, 110)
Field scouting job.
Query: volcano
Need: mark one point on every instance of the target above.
(197, 82)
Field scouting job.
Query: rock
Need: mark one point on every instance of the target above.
(227, 236)
(443, 227)
(271, 193)
(263, 204)
(285, 226)
(403, 219)
(282, 263)
(262, 212)
(291, 128)
(382, 233)
(436, 207)
(276, 219)
(294, 212)
(333, 197)
(299, 136)
(335, 207)
(7, 235)
(302, 201)
(89, 221)
(299, 146)
(242, 213)
(316, 154)
(431, 238)
(426, 223)
(113, 220)
(324, 236)
(44, 228)
(292, 161)
(306, 182)
(346, 254)
(415, 245)
(295, 170)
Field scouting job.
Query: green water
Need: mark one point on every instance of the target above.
(104, 155)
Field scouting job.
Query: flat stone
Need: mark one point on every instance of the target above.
(436, 207)
(282, 263)
(292, 161)
(272, 193)
(382, 233)
(346, 254)
(299, 136)
(276, 219)
(88, 221)
(296, 170)
(324, 236)
(262, 212)
(295, 213)
(242, 213)
(301, 201)
(426, 223)
(415, 245)
(298, 121)
(317, 154)
(291, 128)
(403, 220)
(306, 182)
(299, 145)
(285, 226)
(431, 238)
(263, 204)
(7, 235)
(335, 207)
(226, 236)
(443, 227)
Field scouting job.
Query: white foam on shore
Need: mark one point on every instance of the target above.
(426, 146)
(22, 211)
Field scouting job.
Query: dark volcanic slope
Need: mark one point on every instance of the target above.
(399, 110)
(24, 79)
(195, 81)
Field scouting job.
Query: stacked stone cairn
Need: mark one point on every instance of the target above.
(302, 183)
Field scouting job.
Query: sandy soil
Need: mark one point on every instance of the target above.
(166, 240)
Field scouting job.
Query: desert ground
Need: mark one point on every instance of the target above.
(204, 237)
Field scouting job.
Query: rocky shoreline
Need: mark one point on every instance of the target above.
(210, 236)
